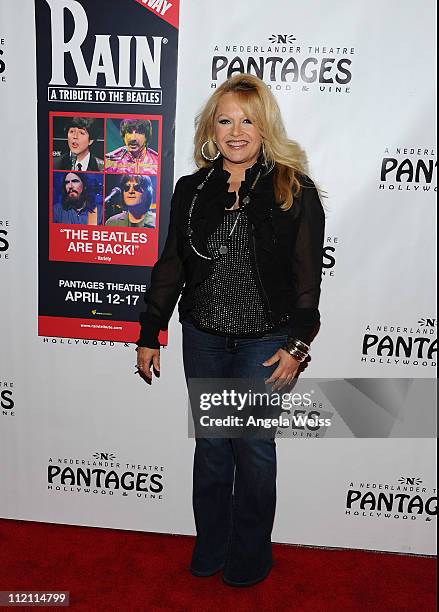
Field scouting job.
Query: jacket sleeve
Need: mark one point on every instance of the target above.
(167, 280)
(307, 264)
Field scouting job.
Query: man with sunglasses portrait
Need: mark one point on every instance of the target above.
(137, 195)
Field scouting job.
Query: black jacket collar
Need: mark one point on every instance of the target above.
(250, 174)
(214, 197)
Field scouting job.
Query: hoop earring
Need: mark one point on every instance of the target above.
(211, 159)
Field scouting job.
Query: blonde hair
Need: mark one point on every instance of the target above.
(260, 105)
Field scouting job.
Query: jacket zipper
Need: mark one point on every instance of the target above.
(258, 276)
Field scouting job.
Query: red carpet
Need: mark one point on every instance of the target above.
(126, 571)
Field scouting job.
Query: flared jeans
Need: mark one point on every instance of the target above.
(234, 479)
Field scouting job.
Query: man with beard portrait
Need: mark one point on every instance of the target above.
(137, 197)
(78, 201)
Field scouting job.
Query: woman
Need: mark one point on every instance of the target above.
(245, 249)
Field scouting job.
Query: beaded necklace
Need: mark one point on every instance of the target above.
(224, 249)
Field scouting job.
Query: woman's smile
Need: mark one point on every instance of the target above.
(237, 144)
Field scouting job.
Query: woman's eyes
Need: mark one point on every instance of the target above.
(226, 121)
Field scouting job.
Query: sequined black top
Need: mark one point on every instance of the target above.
(228, 301)
(286, 250)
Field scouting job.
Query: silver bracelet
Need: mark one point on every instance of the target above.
(297, 349)
(300, 357)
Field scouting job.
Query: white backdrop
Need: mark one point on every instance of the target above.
(81, 402)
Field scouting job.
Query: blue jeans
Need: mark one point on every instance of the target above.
(234, 480)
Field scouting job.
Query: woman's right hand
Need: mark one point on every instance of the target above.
(146, 357)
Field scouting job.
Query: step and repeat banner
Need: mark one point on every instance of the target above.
(98, 111)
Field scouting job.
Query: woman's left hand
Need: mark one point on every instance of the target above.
(285, 371)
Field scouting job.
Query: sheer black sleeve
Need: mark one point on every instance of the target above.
(307, 264)
(167, 280)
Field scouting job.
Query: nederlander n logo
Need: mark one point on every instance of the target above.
(407, 480)
(427, 322)
(285, 66)
(282, 39)
(101, 61)
(104, 475)
(407, 500)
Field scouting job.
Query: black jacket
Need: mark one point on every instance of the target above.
(286, 249)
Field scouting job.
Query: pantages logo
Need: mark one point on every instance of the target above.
(330, 255)
(414, 345)
(2, 61)
(406, 499)
(104, 474)
(5, 239)
(412, 169)
(7, 403)
(99, 52)
(287, 65)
